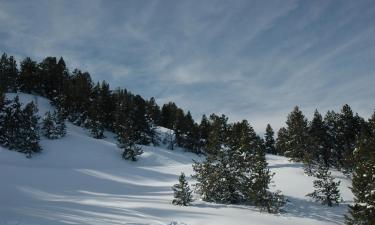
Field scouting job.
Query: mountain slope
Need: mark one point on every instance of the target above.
(81, 180)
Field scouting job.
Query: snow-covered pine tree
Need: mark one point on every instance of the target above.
(96, 128)
(12, 124)
(269, 140)
(182, 193)
(326, 189)
(363, 183)
(29, 131)
(49, 126)
(60, 122)
(53, 125)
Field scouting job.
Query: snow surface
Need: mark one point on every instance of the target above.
(81, 180)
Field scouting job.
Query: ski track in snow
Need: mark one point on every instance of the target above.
(81, 180)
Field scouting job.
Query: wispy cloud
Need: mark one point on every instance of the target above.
(247, 59)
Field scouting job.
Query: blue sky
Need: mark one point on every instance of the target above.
(248, 59)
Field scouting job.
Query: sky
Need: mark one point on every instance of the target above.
(248, 59)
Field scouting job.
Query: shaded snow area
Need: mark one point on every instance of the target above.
(81, 180)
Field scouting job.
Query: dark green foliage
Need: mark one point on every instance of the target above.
(363, 187)
(53, 125)
(282, 141)
(217, 135)
(77, 99)
(326, 189)
(29, 133)
(181, 191)
(19, 127)
(269, 141)
(127, 138)
(29, 76)
(8, 73)
(297, 135)
(237, 172)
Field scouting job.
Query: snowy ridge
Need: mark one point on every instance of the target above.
(81, 180)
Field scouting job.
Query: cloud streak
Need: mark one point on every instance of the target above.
(247, 59)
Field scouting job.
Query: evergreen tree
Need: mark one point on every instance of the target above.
(127, 139)
(53, 125)
(29, 75)
(12, 124)
(363, 183)
(297, 135)
(8, 73)
(269, 140)
(282, 141)
(238, 172)
(217, 135)
(204, 130)
(182, 192)
(29, 132)
(326, 189)
(318, 147)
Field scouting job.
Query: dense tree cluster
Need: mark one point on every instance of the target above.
(328, 140)
(19, 128)
(235, 170)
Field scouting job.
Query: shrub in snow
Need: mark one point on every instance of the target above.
(131, 152)
(326, 189)
(182, 192)
(96, 128)
(53, 125)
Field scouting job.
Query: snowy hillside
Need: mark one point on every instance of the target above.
(81, 180)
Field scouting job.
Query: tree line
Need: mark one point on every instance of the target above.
(235, 159)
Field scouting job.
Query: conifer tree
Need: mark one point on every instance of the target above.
(326, 189)
(269, 140)
(297, 135)
(127, 139)
(13, 121)
(282, 141)
(182, 192)
(53, 125)
(29, 132)
(363, 182)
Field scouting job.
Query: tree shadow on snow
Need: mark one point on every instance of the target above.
(308, 209)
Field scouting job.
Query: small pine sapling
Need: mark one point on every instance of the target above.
(182, 192)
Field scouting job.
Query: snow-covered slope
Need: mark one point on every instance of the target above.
(81, 180)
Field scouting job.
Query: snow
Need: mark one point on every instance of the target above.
(81, 180)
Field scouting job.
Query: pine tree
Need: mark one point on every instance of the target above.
(297, 135)
(127, 139)
(363, 183)
(29, 132)
(238, 172)
(182, 192)
(53, 125)
(326, 189)
(49, 126)
(282, 141)
(29, 75)
(269, 140)
(12, 124)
